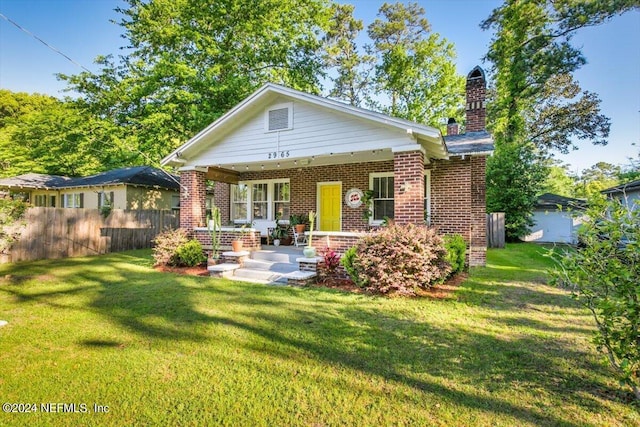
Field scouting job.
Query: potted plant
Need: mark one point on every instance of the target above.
(299, 222)
(236, 244)
(278, 233)
(309, 251)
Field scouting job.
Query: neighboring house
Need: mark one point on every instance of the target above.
(629, 193)
(285, 151)
(556, 219)
(140, 187)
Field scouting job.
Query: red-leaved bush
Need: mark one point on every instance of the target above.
(398, 259)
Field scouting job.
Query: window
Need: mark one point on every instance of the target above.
(279, 117)
(281, 200)
(382, 203)
(105, 199)
(40, 200)
(73, 200)
(260, 201)
(239, 202)
(265, 199)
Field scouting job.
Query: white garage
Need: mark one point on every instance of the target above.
(556, 219)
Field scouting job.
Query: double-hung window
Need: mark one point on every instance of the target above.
(72, 200)
(260, 200)
(105, 199)
(382, 203)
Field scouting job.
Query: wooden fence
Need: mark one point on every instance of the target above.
(495, 230)
(59, 233)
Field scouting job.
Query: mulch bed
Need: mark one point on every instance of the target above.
(198, 270)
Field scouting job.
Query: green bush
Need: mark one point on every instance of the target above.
(456, 252)
(603, 274)
(397, 259)
(166, 244)
(190, 254)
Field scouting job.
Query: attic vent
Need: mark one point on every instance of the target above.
(279, 117)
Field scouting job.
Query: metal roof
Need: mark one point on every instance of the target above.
(479, 142)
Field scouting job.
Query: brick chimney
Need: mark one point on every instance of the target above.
(452, 127)
(476, 104)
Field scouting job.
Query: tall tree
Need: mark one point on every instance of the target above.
(596, 178)
(537, 105)
(352, 80)
(415, 69)
(189, 61)
(558, 180)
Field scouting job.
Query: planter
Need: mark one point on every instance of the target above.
(309, 252)
(276, 242)
(236, 245)
(300, 228)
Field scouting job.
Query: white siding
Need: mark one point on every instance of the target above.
(316, 131)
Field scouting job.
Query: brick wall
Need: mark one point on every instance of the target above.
(476, 107)
(222, 199)
(408, 172)
(478, 250)
(192, 199)
(304, 186)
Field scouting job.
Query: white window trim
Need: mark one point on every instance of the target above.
(289, 106)
(373, 175)
(270, 199)
(72, 196)
(427, 190)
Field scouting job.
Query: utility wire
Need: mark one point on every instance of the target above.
(9, 20)
(145, 155)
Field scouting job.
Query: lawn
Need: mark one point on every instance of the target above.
(159, 348)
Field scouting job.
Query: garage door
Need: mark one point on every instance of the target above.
(552, 227)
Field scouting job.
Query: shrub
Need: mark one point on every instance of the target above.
(11, 219)
(328, 269)
(166, 245)
(190, 254)
(398, 259)
(456, 251)
(603, 275)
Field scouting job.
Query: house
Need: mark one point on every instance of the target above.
(556, 219)
(140, 187)
(289, 152)
(628, 193)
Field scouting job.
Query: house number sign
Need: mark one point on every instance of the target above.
(278, 154)
(353, 198)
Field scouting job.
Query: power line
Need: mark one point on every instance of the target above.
(9, 20)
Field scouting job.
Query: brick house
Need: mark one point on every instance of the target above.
(282, 150)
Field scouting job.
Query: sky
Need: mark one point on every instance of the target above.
(83, 29)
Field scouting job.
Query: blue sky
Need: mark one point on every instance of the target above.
(82, 30)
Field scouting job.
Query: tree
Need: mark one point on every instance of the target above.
(604, 276)
(558, 179)
(537, 104)
(415, 69)
(514, 177)
(190, 61)
(353, 70)
(596, 178)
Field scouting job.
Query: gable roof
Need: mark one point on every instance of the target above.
(145, 176)
(623, 188)
(428, 137)
(553, 201)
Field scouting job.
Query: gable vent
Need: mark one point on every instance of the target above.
(279, 119)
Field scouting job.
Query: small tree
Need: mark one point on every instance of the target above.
(604, 276)
(11, 214)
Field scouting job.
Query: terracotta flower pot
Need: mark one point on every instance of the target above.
(300, 228)
(236, 245)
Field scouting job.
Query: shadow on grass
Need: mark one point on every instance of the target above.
(358, 332)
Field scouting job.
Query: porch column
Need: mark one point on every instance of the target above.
(192, 197)
(408, 191)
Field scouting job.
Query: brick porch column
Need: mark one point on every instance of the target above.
(192, 197)
(408, 191)
(478, 244)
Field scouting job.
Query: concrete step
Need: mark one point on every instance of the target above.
(279, 267)
(279, 255)
(258, 276)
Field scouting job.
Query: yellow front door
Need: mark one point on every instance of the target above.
(330, 207)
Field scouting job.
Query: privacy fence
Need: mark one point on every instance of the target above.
(59, 233)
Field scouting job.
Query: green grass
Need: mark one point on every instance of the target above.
(165, 349)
